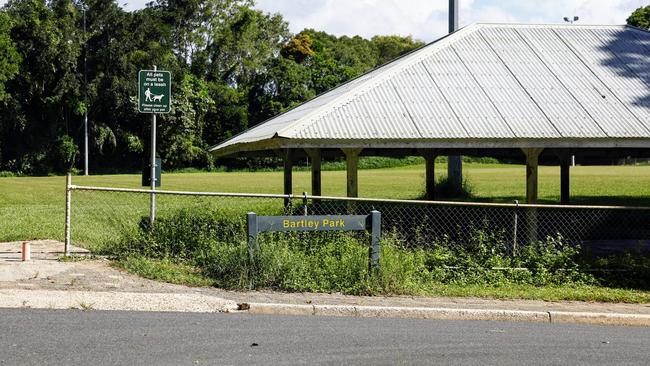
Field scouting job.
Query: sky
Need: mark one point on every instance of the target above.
(427, 19)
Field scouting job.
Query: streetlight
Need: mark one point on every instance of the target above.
(571, 20)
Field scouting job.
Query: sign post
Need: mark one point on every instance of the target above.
(154, 96)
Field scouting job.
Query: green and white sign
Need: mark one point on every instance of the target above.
(154, 91)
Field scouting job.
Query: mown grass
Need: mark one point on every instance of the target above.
(33, 207)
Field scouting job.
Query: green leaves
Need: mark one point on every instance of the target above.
(233, 67)
(640, 18)
(9, 57)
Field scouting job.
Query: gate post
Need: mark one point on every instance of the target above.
(68, 196)
(375, 239)
(253, 246)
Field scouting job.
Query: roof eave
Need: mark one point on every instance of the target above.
(244, 147)
(478, 143)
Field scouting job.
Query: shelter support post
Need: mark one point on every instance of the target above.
(352, 167)
(430, 176)
(455, 172)
(532, 182)
(565, 165)
(532, 168)
(287, 157)
(315, 156)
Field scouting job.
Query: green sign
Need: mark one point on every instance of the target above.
(154, 91)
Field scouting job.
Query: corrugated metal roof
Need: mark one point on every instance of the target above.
(503, 83)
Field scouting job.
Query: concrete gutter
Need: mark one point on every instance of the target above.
(109, 300)
(203, 303)
(449, 314)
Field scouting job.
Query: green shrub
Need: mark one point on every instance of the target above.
(214, 242)
(444, 189)
(183, 234)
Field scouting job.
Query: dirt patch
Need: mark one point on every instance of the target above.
(45, 271)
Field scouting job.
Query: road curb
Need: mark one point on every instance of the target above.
(124, 301)
(639, 320)
(193, 302)
(520, 316)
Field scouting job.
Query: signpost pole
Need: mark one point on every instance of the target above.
(152, 216)
(154, 96)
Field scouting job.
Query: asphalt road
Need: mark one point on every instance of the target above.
(73, 337)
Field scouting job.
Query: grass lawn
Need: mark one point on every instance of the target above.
(33, 207)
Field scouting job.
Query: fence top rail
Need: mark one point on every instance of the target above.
(353, 199)
(178, 193)
(477, 204)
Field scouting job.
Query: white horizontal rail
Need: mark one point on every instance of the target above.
(179, 193)
(354, 199)
(477, 204)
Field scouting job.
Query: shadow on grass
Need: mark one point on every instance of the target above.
(619, 200)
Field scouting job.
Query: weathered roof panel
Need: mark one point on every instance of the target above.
(625, 85)
(514, 105)
(431, 113)
(589, 91)
(567, 115)
(471, 106)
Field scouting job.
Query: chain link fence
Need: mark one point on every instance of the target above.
(99, 217)
(600, 229)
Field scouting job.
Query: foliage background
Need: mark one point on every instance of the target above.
(233, 66)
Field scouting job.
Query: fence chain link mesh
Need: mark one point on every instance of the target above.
(100, 217)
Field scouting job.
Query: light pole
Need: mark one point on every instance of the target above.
(84, 8)
(571, 20)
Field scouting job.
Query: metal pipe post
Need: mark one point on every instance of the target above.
(86, 143)
(514, 231)
(152, 216)
(375, 240)
(453, 15)
(304, 203)
(68, 196)
(253, 246)
(86, 152)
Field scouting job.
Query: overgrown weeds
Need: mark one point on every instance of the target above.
(209, 247)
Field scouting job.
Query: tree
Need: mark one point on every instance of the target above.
(9, 57)
(640, 18)
(45, 94)
(233, 66)
(298, 49)
(390, 47)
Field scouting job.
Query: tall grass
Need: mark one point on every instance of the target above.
(215, 244)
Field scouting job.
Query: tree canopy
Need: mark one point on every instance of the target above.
(233, 67)
(640, 18)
